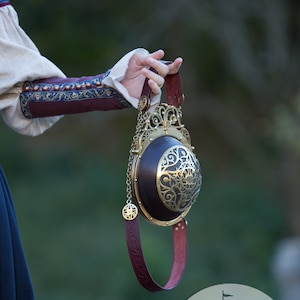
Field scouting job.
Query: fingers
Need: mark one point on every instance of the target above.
(175, 66)
(155, 88)
(161, 68)
(159, 54)
(152, 75)
(156, 80)
(154, 60)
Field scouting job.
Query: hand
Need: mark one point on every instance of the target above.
(139, 69)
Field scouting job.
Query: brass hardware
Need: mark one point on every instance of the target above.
(178, 170)
(178, 178)
(129, 212)
(144, 103)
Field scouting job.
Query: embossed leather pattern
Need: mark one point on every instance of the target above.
(60, 96)
(138, 260)
(174, 90)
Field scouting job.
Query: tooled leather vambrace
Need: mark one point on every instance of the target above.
(61, 96)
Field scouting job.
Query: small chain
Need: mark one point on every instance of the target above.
(139, 128)
(142, 118)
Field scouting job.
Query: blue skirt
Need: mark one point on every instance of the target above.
(15, 282)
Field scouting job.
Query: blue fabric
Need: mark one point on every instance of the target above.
(15, 282)
(4, 2)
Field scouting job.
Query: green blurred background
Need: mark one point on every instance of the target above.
(241, 82)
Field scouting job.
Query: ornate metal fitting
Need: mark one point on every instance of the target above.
(178, 178)
(144, 103)
(129, 212)
(165, 120)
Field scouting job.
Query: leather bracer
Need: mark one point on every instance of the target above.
(61, 96)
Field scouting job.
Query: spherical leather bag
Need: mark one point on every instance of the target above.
(163, 180)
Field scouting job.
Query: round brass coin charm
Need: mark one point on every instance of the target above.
(129, 212)
(144, 103)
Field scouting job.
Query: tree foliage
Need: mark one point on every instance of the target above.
(241, 82)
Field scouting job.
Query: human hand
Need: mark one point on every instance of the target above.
(139, 69)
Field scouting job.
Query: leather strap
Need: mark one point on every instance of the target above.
(174, 97)
(138, 261)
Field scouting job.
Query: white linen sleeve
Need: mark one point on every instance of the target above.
(20, 61)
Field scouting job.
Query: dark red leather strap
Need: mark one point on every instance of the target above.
(138, 261)
(175, 95)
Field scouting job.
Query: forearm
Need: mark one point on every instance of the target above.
(60, 96)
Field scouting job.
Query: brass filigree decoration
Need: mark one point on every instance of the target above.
(178, 178)
(165, 120)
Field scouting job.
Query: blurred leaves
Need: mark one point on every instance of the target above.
(241, 81)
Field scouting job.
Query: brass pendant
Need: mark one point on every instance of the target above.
(129, 212)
